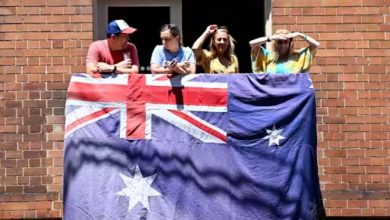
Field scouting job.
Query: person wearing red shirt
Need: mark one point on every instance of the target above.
(114, 54)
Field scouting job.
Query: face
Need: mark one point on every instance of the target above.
(169, 41)
(221, 41)
(122, 40)
(283, 46)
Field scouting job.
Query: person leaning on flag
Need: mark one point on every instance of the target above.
(220, 58)
(172, 57)
(282, 59)
(114, 54)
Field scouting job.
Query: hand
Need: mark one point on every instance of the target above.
(125, 63)
(184, 64)
(211, 29)
(292, 35)
(104, 67)
(179, 70)
(173, 63)
(181, 67)
(279, 37)
(170, 65)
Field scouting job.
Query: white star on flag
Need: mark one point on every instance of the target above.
(138, 189)
(274, 136)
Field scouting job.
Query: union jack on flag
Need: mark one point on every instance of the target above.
(138, 97)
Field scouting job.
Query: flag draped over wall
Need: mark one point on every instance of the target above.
(195, 147)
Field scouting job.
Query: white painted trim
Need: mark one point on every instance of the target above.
(100, 12)
(268, 19)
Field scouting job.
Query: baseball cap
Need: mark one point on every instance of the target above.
(119, 26)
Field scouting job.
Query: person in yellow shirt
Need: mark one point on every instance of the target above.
(220, 58)
(282, 58)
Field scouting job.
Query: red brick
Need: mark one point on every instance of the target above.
(350, 75)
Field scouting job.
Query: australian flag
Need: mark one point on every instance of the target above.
(199, 146)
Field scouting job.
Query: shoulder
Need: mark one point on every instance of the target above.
(131, 45)
(99, 46)
(207, 53)
(158, 49)
(187, 50)
(98, 43)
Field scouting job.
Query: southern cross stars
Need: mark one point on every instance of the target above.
(274, 136)
(138, 188)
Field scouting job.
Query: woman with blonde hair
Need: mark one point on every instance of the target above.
(282, 59)
(220, 58)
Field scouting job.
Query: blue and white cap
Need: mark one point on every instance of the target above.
(119, 26)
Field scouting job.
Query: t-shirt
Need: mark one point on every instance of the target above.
(163, 57)
(213, 65)
(100, 52)
(264, 61)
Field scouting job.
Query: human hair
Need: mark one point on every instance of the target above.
(109, 35)
(274, 45)
(174, 31)
(229, 50)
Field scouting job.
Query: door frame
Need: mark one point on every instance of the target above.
(100, 9)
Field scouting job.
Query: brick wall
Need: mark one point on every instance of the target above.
(41, 43)
(352, 78)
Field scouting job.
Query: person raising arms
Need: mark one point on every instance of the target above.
(220, 58)
(282, 58)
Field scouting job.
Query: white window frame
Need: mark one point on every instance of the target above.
(100, 12)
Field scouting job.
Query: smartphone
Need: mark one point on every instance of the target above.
(173, 62)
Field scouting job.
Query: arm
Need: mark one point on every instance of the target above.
(158, 69)
(124, 66)
(236, 66)
(191, 68)
(255, 43)
(185, 67)
(94, 66)
(311, 41)
(92, 63)
(189, 64)
(199, 42)
(131, 62)
(92, 59)
(91, 68)
(156, 62)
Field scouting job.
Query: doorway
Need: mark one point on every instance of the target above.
(147, 35)
(245, 21)
(146, 15)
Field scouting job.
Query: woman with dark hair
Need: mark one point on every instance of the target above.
(220, 58)
(282, 59)
(172, 57)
